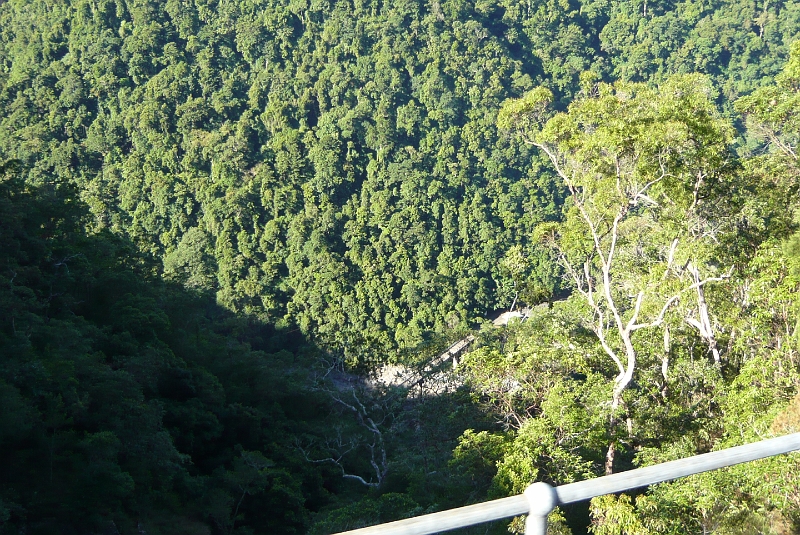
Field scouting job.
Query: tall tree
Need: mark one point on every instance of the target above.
(644, 168)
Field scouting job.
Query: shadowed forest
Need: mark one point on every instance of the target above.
(221, 222)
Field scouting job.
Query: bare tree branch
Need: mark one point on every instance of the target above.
(338, 448)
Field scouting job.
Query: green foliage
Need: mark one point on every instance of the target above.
(363, 172)
(339, 164)
(130, 401)
(368, 512)
(477, 454)
(615, 516)
(679, 402)
(332, 167)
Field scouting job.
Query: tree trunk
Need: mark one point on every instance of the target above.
(612, 450)
(665, 363)
(613, 422)
(703, 325)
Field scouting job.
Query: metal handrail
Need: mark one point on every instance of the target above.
(540, 499)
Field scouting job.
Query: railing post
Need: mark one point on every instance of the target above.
(542, 499)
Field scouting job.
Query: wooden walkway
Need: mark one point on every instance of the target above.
(435, 364)
(408, 377)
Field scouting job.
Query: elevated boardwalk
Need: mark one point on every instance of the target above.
(408, 378)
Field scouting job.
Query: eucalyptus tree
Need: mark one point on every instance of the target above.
(644, 168)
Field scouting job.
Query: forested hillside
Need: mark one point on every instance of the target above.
(218, 218)
(125, 399)
(336, 165)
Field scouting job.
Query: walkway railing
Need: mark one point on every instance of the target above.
(540, 499)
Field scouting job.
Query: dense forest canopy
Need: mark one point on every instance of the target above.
(122, 393)
(215, 215)
(336, 165)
